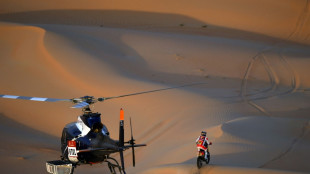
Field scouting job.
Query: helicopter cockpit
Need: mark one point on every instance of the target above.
(91, 122)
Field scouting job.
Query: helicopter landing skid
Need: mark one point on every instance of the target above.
(113, 166)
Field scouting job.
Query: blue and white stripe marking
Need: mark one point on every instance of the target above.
(33, 98)
(9, 96)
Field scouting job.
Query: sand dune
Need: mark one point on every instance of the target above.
(213, 169)
(23, 146)
(252, 56)
(282, 19)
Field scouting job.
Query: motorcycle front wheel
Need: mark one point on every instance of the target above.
(199, 162)
(208, 160)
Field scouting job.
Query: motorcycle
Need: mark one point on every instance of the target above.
(201, 156)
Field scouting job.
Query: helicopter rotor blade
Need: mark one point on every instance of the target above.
(131, 129)
(78, 101)
(136, 145)
(144, 92)
(132, 142)
(34, 98)
(84, 102)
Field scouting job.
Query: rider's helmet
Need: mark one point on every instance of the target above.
(203, 133)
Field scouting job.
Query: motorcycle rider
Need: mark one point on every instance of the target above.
(202, 142)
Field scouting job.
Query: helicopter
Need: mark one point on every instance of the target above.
(88, 141)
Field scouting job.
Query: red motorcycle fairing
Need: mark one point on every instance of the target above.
(201, 153)
(201, 142)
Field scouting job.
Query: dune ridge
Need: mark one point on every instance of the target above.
(230, 120)
(291, 17)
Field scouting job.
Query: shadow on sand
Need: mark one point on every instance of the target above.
(133, 19)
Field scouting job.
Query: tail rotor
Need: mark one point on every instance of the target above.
(132, 145)
(131, 142)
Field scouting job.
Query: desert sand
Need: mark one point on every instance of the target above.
(253, 58)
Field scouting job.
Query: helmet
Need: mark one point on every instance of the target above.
(97, 127)
(203, 133)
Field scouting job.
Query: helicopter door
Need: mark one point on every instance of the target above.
(82, 127)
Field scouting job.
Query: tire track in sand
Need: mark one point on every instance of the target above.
(303, 132)
(302, 19)
(244, 84)
(274, 78)
(295, 81)
(273, 91)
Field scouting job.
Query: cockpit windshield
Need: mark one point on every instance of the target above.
(92, 120)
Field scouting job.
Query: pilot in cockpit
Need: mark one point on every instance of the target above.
(90, 122)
